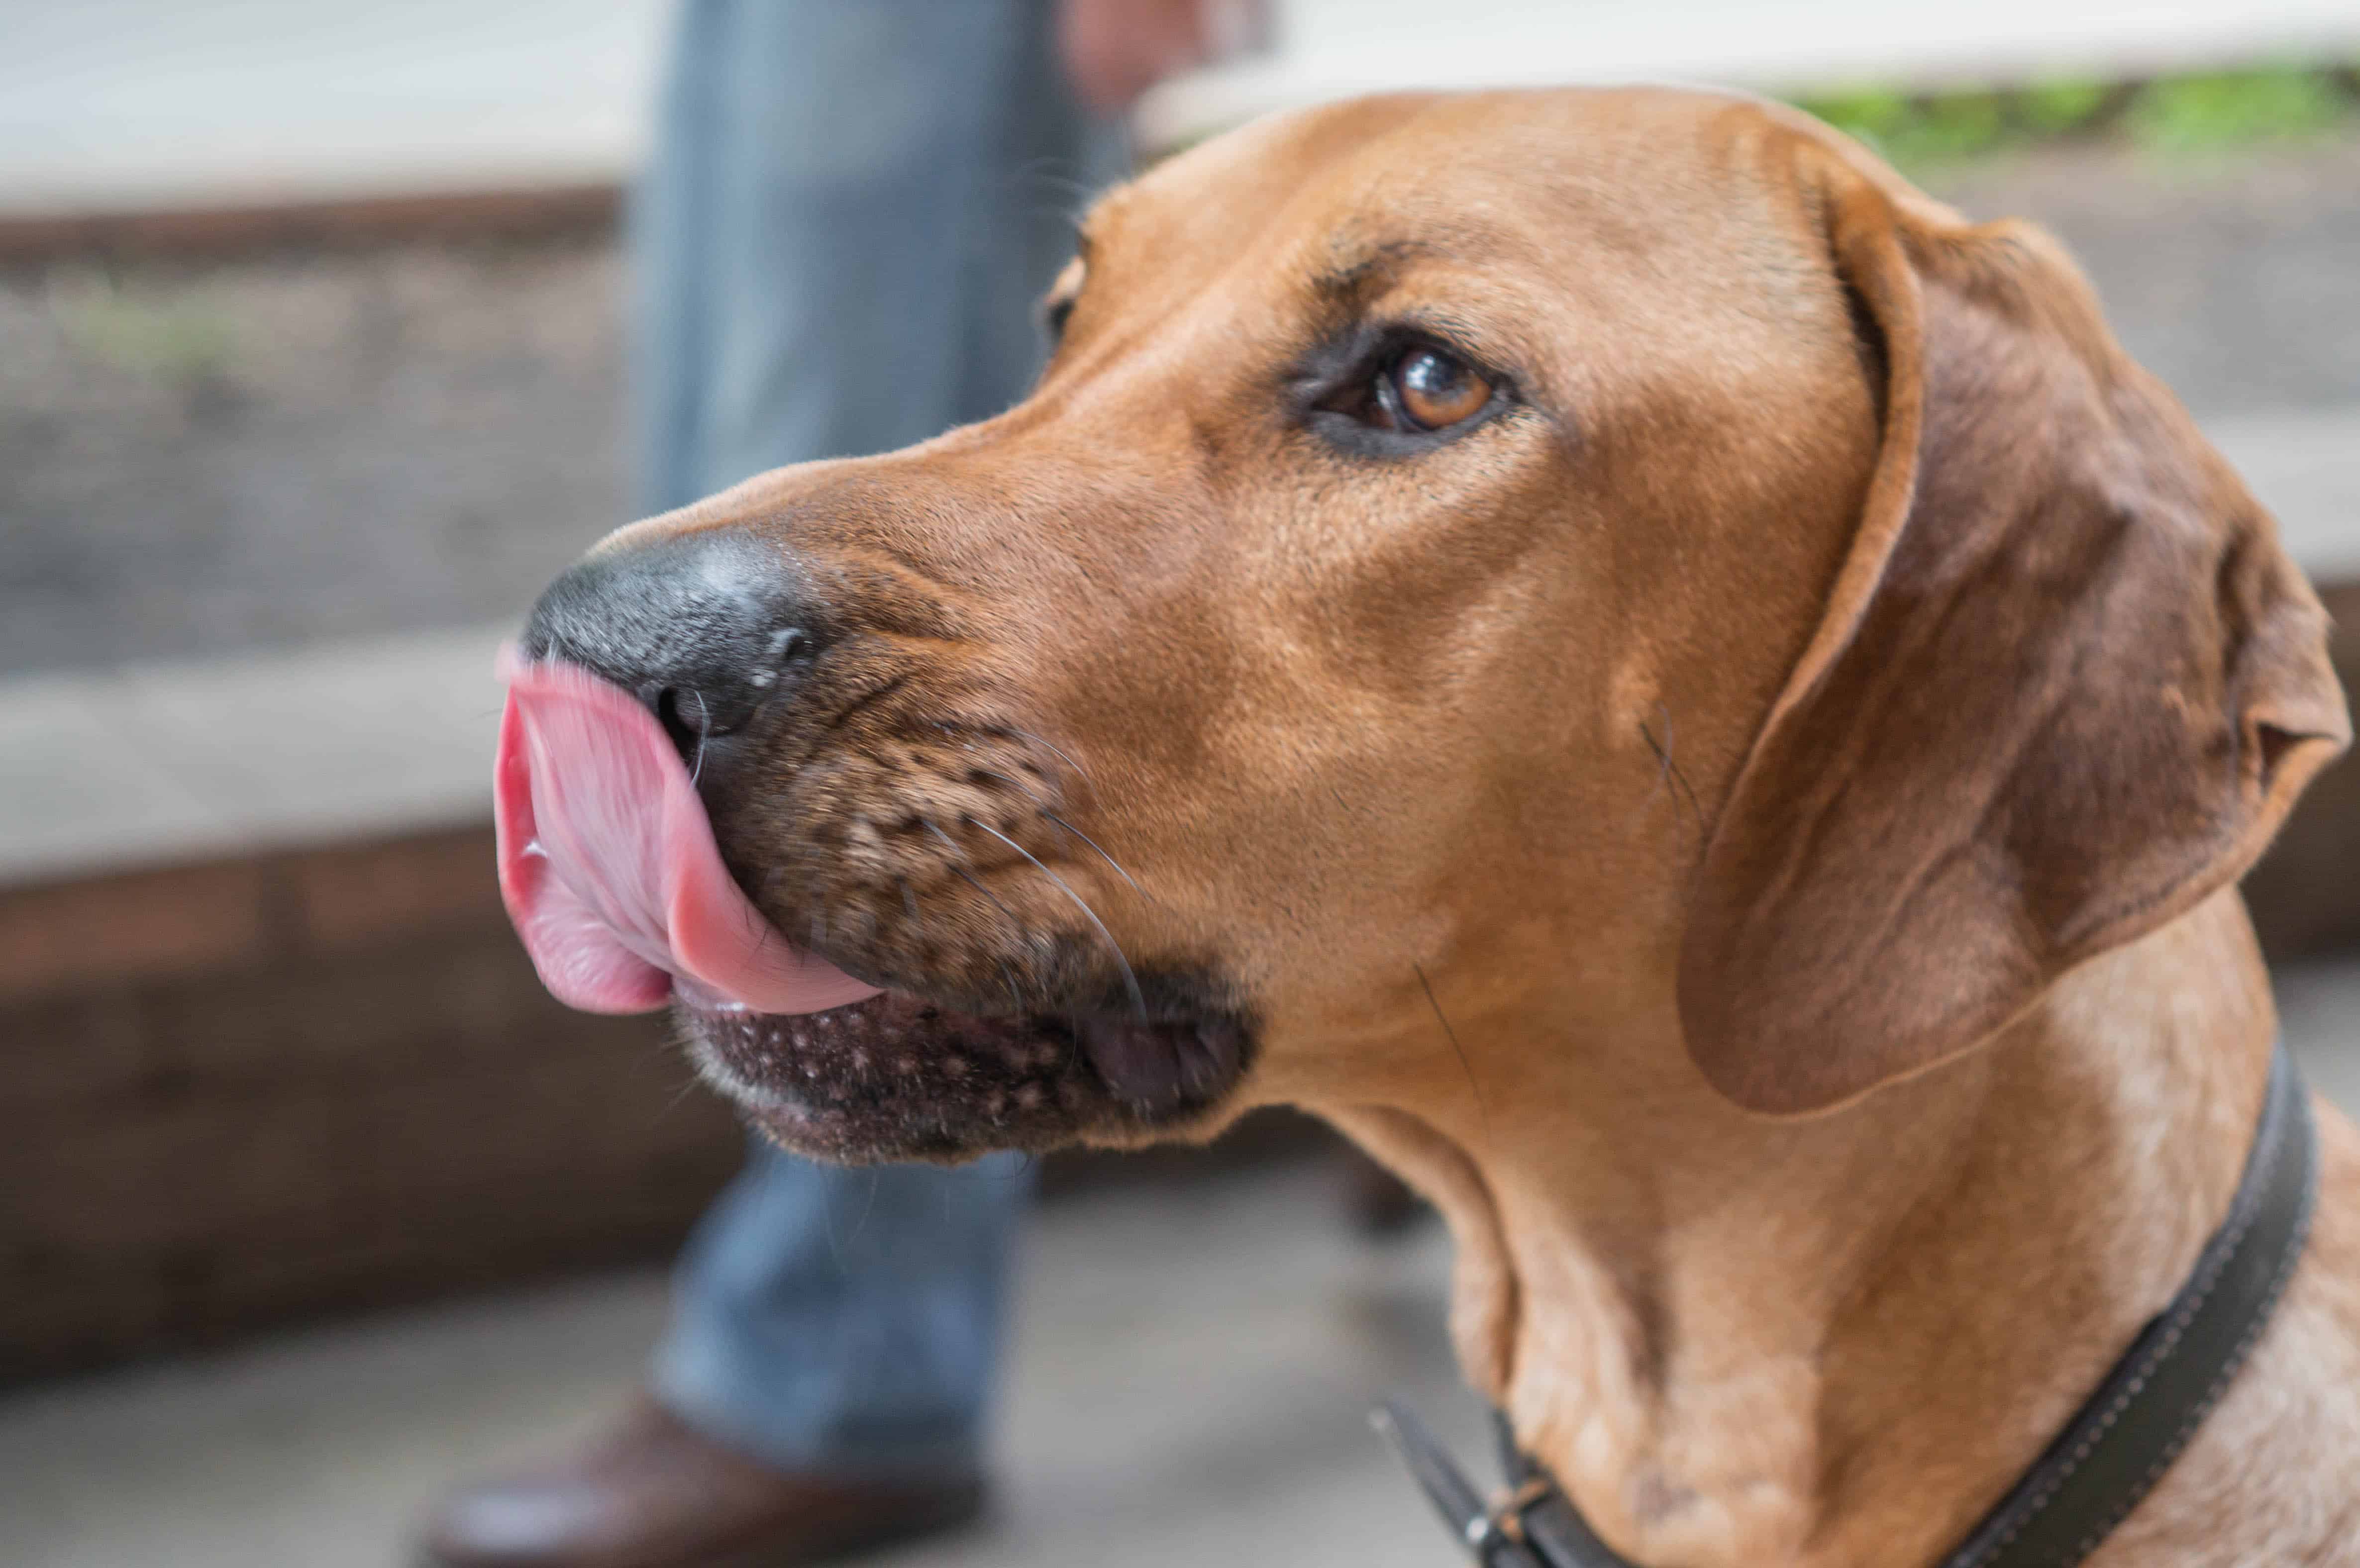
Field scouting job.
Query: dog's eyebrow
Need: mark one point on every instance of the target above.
(1362, 272)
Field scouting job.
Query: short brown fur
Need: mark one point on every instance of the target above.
(1803, 751)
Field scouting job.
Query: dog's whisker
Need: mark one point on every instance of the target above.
(959, 868)
(703, 734)
(876, 1177)
(910, 905)
(1060, 821)
(685, 1041)
(1050, 170)
(1679, 777)
(758, 929)
(1668, 772)
(956, 847)
(1662, 771)
(1482, 1109)
(1129, 980)
(910, 902)
(1054, 750)
(1016, 784)
(680, 1097)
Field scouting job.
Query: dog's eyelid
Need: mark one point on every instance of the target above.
(1452, 347)
(1342, 388)
(1386, 342)
(1368, 346)
(1064, 291)
(1413, 332)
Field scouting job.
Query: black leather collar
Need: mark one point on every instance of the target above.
(2109, 1454)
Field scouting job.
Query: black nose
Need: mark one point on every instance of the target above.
(704, 628)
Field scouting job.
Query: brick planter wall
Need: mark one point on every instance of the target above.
(243, 1092)
(237, 1095)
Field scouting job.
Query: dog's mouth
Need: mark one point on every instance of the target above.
(896, 1077)
(610, 872)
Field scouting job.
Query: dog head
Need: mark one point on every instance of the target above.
(1551, 555)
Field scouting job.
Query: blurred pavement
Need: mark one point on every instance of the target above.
(1190, 1384)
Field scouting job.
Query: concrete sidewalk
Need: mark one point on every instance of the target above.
(1190, 1384)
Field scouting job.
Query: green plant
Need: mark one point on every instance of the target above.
(1914, 131)
(2189, 114)
(176, 340)
(2064, 105)
(2174, 113)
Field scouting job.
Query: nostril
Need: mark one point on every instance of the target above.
(684, 715)
(706, 630)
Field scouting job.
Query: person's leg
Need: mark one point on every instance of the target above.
(851, 208)
(854, 207)
(846, 1321)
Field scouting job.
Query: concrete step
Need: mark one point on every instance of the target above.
(139, 765)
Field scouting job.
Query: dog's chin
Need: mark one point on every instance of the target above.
(897, 1078)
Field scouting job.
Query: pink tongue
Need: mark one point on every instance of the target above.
(609, 868)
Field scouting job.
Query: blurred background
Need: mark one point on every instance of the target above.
(312, 374)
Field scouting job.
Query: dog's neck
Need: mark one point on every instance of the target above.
(1838, 1340)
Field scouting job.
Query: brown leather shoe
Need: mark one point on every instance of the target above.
(658, 1494)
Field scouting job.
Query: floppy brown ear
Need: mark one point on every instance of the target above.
(2067, 684)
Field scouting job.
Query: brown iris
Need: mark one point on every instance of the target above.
(1435, 391)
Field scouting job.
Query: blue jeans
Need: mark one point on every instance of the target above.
(852, 206)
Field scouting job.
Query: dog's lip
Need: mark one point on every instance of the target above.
(1154, 1065)
(609, 868)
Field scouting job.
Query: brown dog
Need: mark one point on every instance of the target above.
(1692, 700)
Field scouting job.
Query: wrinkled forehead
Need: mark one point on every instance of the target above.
(1575, 189)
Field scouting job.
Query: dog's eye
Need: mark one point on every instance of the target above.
(1432, 390)
(1418, 391)
(1395, 391)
